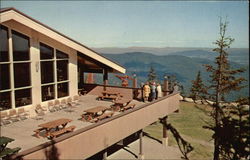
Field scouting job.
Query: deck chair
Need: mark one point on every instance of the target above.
(41, 108)
(76, 99)
(57, 105)
(22, 113)
(14, 116)
(70, 106)
(71, 103)
(40, 112)
(5, 119)
(52, 107)
(64, 104)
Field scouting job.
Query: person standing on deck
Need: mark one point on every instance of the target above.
(159, 91)
(146, 92)
(153, 91)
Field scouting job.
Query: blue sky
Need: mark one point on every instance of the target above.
(141, 23)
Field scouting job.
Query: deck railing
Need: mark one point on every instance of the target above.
(92, 139)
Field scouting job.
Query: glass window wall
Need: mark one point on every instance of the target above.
(5, 76)
(20, 47)
(46, 52)
(63, 89)
(22, 74)
(5, 100)
(48, 92)
(62, 70)
(47, 72)
(23, 97)
(4, 55)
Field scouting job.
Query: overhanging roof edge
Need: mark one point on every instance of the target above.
(78, 46)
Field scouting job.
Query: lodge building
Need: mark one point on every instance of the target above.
(38, 65)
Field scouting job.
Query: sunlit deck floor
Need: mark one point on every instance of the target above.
(23, 131)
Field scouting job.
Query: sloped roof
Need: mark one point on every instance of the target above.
(7, 14)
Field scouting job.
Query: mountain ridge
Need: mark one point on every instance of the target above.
(183, 67)
(239, 55)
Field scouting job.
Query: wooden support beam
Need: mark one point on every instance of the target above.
(164, 131)
(105, 155)
(141, 155)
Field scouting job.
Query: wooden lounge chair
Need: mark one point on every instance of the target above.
(58, 105)
(41, 108)
(39, 112)
(5, 119)
(52, 107)
(64, 104)
(14, 116)
(22, 113)
(71, 103)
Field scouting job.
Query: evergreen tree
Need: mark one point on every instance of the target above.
(223, 81)
(151, 74)
(236, 143)
(171, 82)
(197, 90)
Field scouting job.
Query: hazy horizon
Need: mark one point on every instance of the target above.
(168, 47)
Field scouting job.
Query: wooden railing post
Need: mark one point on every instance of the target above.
(165, 86)
(164, 131)
(105, 79)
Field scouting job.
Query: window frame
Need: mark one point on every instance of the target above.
(54, 60)
(11, 64)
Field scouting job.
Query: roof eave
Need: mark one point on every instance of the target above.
(44, 29)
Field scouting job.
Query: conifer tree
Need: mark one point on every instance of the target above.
(223, 81)
(236, 143)
(151, 74)
(171, 82)
(197, 90)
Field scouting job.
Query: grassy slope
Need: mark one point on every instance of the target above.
(188, 123)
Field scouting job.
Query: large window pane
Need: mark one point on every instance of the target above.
(46, 52)
(62, 90)
(61, 55)
(47, 72)
(23, 97)
(20, 47)
(62, 70)
(22, 74)
(4, 55)
(4, 76)
(48, 92)
(5, 100)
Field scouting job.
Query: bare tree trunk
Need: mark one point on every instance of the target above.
(216, 140)
(217, 114)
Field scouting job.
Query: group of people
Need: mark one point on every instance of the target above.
(151, 91)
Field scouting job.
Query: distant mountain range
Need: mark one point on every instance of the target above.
(183, 67)
(239, 55)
